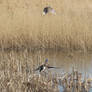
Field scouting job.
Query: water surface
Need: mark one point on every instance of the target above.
(80, 61)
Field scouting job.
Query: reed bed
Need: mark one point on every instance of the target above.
(75, 82)
(17, 75)
(63, 42)
(23, 26)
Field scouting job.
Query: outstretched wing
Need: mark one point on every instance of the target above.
(39, 68)
(53, 67)
(53, 11)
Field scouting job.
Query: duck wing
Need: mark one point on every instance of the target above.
(53, 67)
(38, 68)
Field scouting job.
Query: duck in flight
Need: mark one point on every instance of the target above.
(44, 66)
(48, 10)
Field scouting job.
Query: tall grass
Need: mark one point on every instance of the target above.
(17, 75)
(23, 26)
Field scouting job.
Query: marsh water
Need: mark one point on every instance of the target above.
(82, 62)
(66, 61)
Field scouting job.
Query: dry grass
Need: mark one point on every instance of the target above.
(23, 26)
(16, 74)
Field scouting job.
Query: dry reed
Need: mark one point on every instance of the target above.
(23, 26)
(16, 74)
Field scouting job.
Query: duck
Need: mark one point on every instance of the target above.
(48, 9)
(44, 66)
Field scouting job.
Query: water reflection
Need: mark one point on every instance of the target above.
(61, 89)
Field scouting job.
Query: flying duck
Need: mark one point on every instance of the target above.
(44, 66)
(48, 10)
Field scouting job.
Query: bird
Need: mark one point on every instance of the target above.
(44, 66)
(48, 9)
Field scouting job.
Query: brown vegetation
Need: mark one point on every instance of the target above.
(23, 26)
(16, 74)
